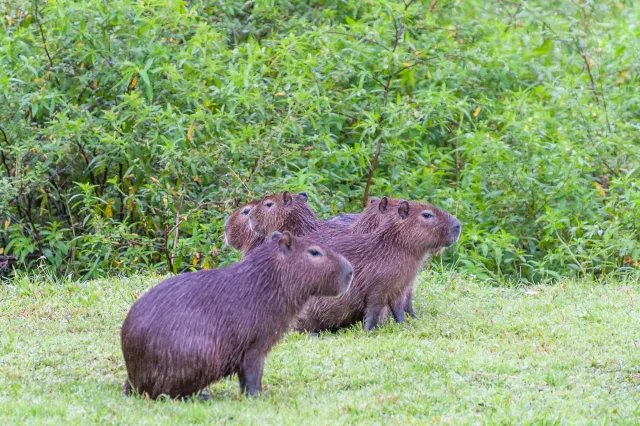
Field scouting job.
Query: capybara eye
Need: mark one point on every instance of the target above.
(314, 252)
(246, 210)
(427, 215)
(268, 204)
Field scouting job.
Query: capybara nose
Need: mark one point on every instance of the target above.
(456, 227)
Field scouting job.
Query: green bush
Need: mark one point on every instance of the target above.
(130, 129)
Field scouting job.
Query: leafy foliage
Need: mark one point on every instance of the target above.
(130, 129)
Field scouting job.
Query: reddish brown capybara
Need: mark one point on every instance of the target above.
(291, 212)
(196, 328)
(239, 235)
(237, 232)
(370, 219)
(386, 262)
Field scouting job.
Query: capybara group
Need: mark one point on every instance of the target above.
(196, 328)
(298, 271)
(387, 254)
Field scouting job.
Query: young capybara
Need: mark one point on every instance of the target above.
(291, 212)
(386, 262)
(239, 235)
(196, 328)
(237, 232)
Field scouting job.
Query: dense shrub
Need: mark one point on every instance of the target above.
(130, 129)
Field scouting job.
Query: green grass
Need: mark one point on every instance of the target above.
(567, 353)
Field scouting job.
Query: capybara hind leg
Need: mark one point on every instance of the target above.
(250, 373)
(397, 308)
(408, 304)
(126, 389)
(372, 317)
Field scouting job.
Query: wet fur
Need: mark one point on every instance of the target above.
(196, 328)
(386, 262)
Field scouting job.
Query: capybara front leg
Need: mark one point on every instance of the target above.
(372, 317)
(250, 374)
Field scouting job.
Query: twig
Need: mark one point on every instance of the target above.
(360, 37)
(178, 222)
(433, 5)
(4, 157)
(399, 31)
(593, 83)
(512, 17)
(44, 39)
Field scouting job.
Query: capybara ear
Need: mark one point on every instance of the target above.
(286, 196)
(383, 204)
(403, 209)
(276, 236)
(373, 200)
(285, 242)
(304, 196)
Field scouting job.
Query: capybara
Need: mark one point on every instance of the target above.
(291, 212)
(196, 328)
(237, 232)
(386, 262)
(239, 235)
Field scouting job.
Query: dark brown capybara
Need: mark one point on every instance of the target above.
(386, 262)
(239, 235)
(291, 212)
(196, 328)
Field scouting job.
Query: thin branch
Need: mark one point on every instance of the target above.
(360, 37)
(44, 39)
(513, 17)
(178, 222)
(593, 82)
(433, 5)
(4, 157)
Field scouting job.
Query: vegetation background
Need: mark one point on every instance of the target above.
(130, 129)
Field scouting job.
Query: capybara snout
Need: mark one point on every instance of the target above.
(347, 275)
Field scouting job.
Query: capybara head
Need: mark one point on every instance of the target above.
(375, 214)
(422, 228)
(282, 212)
(237, 232)
(320, 270)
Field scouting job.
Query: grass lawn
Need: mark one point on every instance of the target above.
(567, 353)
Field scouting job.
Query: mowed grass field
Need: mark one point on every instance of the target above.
(567, 353)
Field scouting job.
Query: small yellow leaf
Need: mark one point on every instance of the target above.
(476, 112)
(214, 250)
(95, 84)
(196, 179)
(280, 94)
(417, 52)
(156, 181)
(206, 265)
(134, 82)
(196, 258)
(108, 211)
(1, 250)
(406, 64)
(6, 224)
(190, 131)
(622, 76)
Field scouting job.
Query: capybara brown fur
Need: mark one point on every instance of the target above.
(237, 232)
(239, 235)
(371, 218)
(386, 262)
(196, 328)
(291, 212)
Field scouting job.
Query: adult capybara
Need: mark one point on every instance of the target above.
(386, 262)
(370, 219)
(198, 327)
(239, 235)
